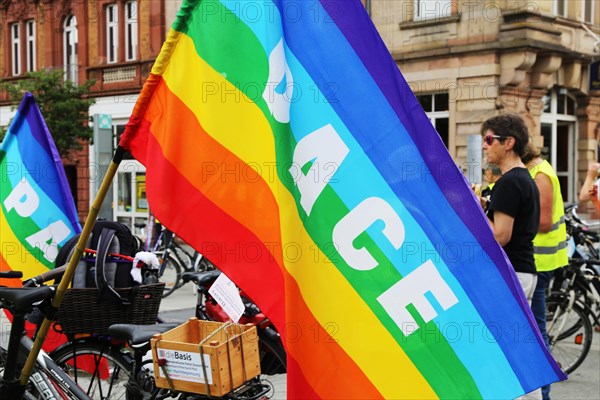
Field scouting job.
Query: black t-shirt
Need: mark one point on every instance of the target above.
(517, 195)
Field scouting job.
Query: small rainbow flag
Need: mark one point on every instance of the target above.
(38, 214)
(281, 141)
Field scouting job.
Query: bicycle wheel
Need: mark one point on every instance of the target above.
(3, 354)
(170, 274)
(101, 371)
(271, 352)
(569, 332)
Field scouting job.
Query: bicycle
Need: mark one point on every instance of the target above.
(92, 367)
(570, 315)
(175, 259)
(118, 358)
(584, 238)
(48, 380)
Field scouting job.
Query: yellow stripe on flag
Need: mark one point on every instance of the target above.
(15, 253)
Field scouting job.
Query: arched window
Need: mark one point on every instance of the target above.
(15, 45)
(131, 31)
(31, 45)
(70, 40)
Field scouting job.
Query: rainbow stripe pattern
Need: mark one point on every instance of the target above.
(282, 142)
(38, 214)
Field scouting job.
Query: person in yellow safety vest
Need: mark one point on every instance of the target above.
(550, 244)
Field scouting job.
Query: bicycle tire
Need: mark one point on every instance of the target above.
(571, 346)
(170, 274)
(106, 373)
(271, 352)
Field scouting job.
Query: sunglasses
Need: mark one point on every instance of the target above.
(489, 139)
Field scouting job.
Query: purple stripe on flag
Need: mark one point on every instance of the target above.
(370, 48)
(57, 188)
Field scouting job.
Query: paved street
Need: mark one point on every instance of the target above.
(583, 384)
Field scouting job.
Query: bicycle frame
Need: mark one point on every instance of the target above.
(48, 378)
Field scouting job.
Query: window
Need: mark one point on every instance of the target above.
(131, 31)
(560, 8)
(588, 11)
(70, 49)
(429, 9)
(112, 33)
(31, 50)
(436, 108)
(15, 47)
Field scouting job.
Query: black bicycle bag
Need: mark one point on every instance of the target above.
(106, 263)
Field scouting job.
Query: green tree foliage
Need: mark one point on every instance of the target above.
(64, 106)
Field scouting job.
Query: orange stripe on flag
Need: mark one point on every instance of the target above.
(314, 347)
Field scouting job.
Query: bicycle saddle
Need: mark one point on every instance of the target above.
(201, 278)
(138, 334)
(21, 299)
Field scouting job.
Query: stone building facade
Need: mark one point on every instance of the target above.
(469, 60)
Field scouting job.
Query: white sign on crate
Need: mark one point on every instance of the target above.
(185, 366)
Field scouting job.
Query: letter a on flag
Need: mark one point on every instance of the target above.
(281, 141)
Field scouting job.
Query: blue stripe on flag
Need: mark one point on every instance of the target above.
(372, 121)
(40, 159)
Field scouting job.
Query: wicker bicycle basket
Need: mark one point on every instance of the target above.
(83, 311)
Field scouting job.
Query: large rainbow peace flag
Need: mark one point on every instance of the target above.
(37, 213)
(282, 142)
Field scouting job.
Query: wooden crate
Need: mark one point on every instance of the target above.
(230, 354)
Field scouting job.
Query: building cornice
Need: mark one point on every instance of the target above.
(521, 44)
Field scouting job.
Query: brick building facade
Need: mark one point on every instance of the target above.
(113, 42)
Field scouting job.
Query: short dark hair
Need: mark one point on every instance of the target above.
(508, 125)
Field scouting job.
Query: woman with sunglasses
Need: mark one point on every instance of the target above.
(514, 208)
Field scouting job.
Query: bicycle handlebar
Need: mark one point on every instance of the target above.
(46, 276)
(11, 274)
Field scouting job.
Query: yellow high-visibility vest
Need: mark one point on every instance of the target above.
(550, 249)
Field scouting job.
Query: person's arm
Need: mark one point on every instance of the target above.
(502, 226)
(544, 185)
(590, 179)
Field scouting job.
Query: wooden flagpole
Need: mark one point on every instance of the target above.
(70, 271)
